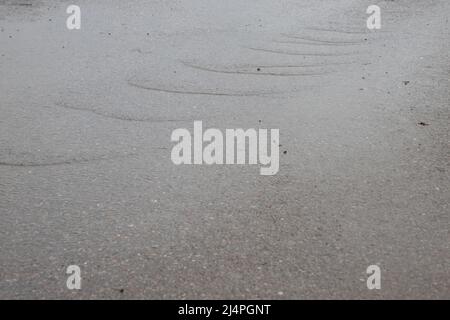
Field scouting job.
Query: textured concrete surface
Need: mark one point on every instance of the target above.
(86, 176)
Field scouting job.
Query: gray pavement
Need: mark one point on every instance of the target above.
(86, 176)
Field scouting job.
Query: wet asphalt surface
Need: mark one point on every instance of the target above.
(86, 176)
